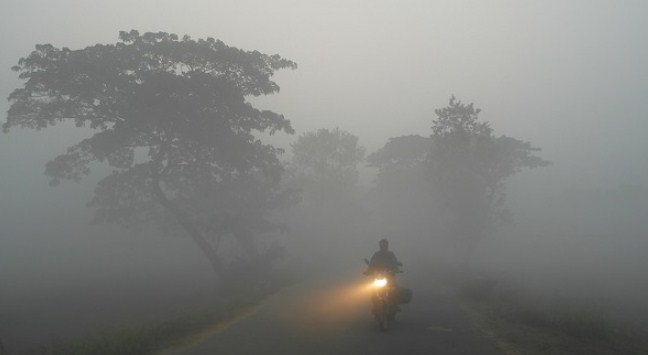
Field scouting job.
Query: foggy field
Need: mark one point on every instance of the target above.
(172, 167)
(65, 296)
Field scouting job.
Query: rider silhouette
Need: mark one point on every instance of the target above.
(384, 260)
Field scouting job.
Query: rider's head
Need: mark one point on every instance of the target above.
(384, 244)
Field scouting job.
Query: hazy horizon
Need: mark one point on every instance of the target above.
(569, 77)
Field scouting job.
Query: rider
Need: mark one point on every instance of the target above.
(384, 260)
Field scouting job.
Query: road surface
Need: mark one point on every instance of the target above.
(333, 317)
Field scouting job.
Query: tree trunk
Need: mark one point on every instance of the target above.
(191, 229)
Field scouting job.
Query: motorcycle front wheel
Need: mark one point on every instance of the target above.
(382, 316)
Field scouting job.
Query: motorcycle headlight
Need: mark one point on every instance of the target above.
(380, 282)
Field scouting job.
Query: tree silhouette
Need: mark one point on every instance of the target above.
(325, 163)
(469, 166)
(324, 169)
(463, 164)
(173, 124)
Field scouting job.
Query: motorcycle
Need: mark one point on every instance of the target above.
(384, 297)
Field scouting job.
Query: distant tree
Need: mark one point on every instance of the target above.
(325, 163)
(174, 126)
(324, 170)
(403, 201)
(466, 167)
(469, 166)
(401, 158)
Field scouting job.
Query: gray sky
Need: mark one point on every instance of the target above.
(569, 76)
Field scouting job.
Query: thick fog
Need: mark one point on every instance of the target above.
(569, 77)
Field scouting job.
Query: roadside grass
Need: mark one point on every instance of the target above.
(153, 336)
(178, 328)
(525, 324)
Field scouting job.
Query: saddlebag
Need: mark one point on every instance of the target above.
(404, 295)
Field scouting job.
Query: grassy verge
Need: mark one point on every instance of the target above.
(154, 336)
(524, 324)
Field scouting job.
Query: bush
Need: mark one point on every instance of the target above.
(525, 323)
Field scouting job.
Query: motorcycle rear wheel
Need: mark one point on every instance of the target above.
(383, 324)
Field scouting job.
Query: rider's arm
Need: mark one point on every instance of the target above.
(394, 262)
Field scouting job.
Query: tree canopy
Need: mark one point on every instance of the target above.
(326, 162)
(324, 169)
(173, 124)
(400, 157)
(462, 164)
(469, 166)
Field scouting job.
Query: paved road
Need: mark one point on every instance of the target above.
(332, 317)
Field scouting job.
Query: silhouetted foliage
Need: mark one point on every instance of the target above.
(462, 164)
(401, 158)
(324, 169)
(403, 198)
(325, 162)
(469, 165)
(173, 125)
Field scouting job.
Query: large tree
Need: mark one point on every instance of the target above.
(469, 166)
(465, 167)
(173, 124)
